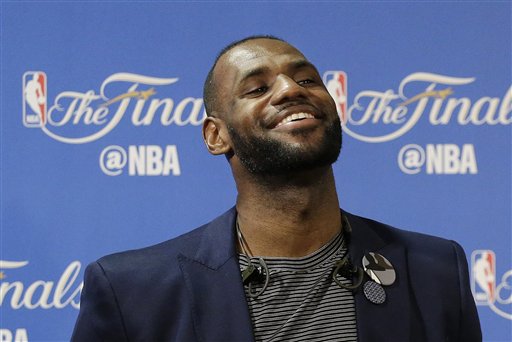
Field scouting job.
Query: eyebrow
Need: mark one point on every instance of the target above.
(254, 72)
(295, 65)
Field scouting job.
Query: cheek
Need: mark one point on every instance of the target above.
(324, 96)
(325, 102)
(248, 115)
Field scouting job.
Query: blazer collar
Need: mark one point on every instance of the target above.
(212, 276)
(218, 241)
(390, 321)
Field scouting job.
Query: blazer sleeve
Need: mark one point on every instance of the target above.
(99, 318)
(469, 326)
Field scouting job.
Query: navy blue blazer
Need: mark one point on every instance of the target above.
(190, 289)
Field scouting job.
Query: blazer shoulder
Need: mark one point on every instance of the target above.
(165, 254)
(413, 241)
(154, 257)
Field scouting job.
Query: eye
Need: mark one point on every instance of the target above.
(305, 82)
(258, 91)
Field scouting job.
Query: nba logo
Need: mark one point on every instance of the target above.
(34, 98)
(483, 276)
(336, 83)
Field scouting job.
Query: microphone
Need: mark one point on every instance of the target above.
(256, 275)
(345, 269)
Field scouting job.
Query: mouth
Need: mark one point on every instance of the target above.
(295, 117)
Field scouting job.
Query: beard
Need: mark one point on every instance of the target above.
(266, 156)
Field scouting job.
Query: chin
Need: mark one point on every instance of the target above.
(268, 156)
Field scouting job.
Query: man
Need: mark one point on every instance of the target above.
(285, 263)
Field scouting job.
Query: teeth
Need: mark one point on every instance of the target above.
(296, 116)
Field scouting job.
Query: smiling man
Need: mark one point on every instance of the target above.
(285, 264)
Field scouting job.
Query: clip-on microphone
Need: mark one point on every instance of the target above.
(345, 269)
(254, 275)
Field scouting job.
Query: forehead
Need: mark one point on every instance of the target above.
(258, 49)
(254, 54)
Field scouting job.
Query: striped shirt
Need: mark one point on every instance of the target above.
(302, 302)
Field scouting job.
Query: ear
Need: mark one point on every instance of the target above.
(215, 136)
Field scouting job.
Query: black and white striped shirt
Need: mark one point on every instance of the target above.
(302, 302)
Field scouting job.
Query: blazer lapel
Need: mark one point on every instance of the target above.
(390, 321)
(214, 283)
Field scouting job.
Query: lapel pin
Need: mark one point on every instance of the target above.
(379, 269)
(374, 292)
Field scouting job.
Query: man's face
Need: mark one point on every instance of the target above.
(279, 114)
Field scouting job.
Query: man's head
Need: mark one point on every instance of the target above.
(269, 110)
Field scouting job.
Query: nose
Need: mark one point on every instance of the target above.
(286, 89)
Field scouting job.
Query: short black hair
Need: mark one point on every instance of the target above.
(209, 89)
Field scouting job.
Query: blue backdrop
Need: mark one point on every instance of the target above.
(101, 148)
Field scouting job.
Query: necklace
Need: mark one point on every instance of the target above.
(252, 274)
(261, 274)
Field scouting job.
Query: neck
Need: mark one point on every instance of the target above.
(289, 216)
